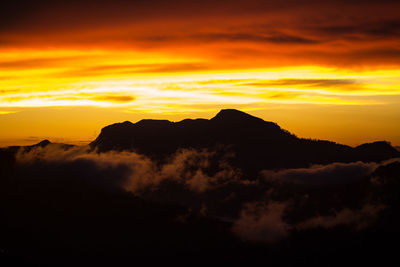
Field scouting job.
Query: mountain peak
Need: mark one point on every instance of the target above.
(43, 143)
(233, 115)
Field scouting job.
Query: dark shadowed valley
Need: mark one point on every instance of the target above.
(232, 189)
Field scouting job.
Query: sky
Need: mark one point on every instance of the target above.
(320, 69)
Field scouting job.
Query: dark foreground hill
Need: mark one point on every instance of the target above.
(256, 144)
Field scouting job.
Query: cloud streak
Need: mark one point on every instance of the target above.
(322, 83)
(320, 175)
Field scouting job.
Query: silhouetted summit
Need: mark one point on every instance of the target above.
(235, 116)
(256, 144)
(43, 143)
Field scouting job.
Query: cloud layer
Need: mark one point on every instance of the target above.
(265, 209)
(135, 173)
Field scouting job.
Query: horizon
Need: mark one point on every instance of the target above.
(35, 139)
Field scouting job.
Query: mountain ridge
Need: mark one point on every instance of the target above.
(256, 143)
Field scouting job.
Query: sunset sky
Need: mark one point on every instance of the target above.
(320, 69)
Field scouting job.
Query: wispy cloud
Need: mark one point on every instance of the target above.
(316, 83)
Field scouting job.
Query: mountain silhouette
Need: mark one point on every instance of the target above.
(256, 144)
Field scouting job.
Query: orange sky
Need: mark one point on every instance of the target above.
(323, 70)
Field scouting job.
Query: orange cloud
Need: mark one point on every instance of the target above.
(184, 57)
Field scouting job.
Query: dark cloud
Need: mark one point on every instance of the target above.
(382, 28)
(276, 38)
(247, 34)
(50, 16)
